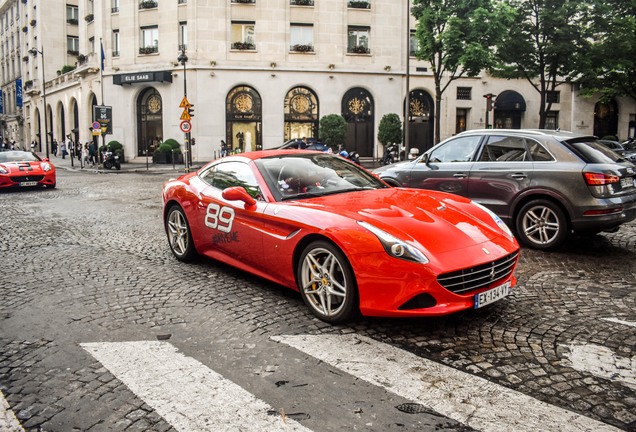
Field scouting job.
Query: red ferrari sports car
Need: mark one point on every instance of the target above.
(321, 225)
(22, 168)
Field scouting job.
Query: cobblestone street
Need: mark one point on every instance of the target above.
(89, 262)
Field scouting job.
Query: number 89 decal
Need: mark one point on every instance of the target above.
(217, 217)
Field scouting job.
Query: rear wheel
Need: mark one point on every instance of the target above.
(179, 235)
(326, 282)
(541, 224)
(392, 182)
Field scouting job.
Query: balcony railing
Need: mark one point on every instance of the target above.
(72, 21)
(358, 49)
(303, 48)
(148, 4)
(301, 2)
(243, 46)
(149, 50)
(243, 1)
(359, 4)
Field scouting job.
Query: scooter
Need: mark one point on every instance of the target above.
(390, 154)
(111, 160)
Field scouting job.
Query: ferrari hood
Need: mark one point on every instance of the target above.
(436, 221)
(26, 167)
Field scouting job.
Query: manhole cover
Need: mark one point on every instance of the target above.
(413, 408)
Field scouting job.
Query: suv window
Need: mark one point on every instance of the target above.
(538, 152)
(592, 151)
(458, 150)
(504, 149)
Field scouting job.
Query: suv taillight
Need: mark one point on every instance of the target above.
(598, 179)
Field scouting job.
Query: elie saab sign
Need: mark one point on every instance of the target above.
(142, 77)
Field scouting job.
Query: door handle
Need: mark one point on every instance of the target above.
(460, 175)
(519, 176)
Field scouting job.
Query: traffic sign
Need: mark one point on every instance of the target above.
(185, 115)
(186, 126)
(184, 103)
(97, 125)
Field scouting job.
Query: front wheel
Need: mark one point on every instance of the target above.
(179, 235)
(541, 224)
(107, 165)
(326, 283)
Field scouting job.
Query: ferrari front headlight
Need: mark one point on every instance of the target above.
(46, 166)
(394, 246)
(3, 170)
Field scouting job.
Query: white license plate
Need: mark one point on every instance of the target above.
(29, 183)
(492, 295)
(628, 182)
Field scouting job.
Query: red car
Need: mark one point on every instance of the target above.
(321, 225)
(22, 168)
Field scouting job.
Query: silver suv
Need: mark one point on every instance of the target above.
(545, 184)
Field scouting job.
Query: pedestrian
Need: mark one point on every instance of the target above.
(33, 145)
(54, 147)
(92, 153)
(12, 145)
(85, 155)
(63, 149)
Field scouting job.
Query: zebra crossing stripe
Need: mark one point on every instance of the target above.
(186, 393)
(471, 400)
(8, 420)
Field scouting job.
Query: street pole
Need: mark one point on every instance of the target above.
(407, 102)
(34, 51)
(183, 59)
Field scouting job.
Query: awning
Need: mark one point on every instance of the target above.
(510, 100)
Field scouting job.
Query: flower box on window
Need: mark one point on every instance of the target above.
(72, 21)
(149, 50)
(72, 52)
(358, 49)
(302, 48)
(359, 4)
(243, 46)
(89, 17)
(302, 2)
(81, 59)
(148, 4)
(243, 1)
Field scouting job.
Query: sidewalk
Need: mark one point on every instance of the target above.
(136, 167)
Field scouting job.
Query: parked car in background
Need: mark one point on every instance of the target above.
(24, 169)
(617, 147)
(311, 144)
(545, 184)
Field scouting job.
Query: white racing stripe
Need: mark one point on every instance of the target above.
(186, 393)
(471, 400)
(8, 420)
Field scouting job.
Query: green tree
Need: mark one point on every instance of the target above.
(609, 69)
(332, 129)
(544, 45)
(390, 129)
(455, 37)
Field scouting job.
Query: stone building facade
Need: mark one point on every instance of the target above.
(258, 72)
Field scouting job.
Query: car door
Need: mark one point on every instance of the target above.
(447, 166)
(501, 171)
(232, 230)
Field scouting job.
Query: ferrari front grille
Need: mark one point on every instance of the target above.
(26, 178)
(481, 276)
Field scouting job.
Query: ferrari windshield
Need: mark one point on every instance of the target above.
(294, 176)
(17, 156)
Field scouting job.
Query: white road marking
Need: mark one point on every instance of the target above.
(602, 362)
(618, 321)
(8, 420)
(471, 400)
(186, 393)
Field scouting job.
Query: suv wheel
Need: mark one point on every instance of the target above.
(541, 224)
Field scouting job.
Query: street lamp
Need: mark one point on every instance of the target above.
(34, 52)
(183, 59)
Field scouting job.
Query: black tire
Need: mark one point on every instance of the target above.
(542, 224)
(179, 235)
(107, 165)
(326, 283)
(392, 182)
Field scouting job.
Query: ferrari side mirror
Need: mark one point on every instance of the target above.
(237, 193)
